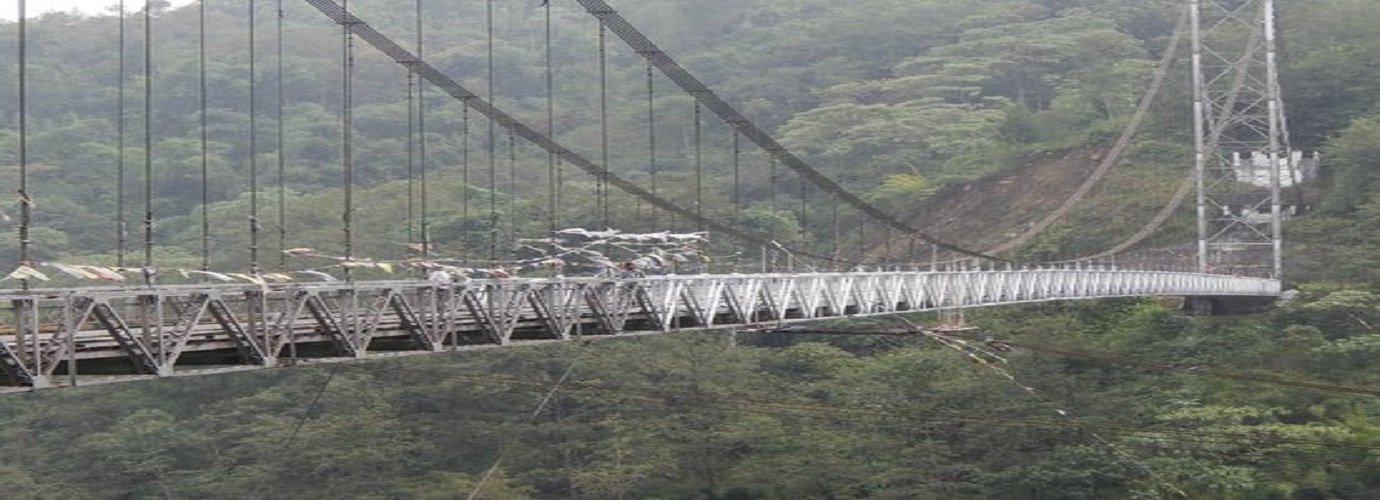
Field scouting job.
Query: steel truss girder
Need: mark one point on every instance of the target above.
(155, 328)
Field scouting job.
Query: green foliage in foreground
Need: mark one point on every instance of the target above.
(1156, 403)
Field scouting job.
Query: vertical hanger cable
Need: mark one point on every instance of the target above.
(346, 138)
(121, 228)
(25, 200)
(651, 143)
(771, 221)
(834, 222)
(512, 188)
(737, 188)
(421, 142)
(205, 139)
(699, 169)
(254, 225)
(602, 189)
(553, 180)
(148, 142)
(465, 173)
(805, 195)
(492, 137)
(411, 159)
(282, 146)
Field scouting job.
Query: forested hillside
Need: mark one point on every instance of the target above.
(896, 99)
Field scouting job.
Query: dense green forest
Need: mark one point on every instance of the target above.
(893, 98)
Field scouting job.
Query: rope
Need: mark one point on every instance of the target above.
(985, 357)
(893, 417)
(311, 406)
(531, 418)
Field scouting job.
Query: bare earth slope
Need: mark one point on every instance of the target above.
(985, 213)
(989, 211)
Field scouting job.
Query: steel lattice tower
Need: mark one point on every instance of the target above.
(1240, 138)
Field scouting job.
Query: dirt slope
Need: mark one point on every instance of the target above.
(989, 211)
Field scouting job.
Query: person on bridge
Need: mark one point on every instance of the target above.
(628, 269)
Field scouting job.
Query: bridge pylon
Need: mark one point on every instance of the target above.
(1242, 158)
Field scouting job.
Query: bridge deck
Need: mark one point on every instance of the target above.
(51, 336)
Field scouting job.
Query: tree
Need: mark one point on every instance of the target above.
(1353, 166)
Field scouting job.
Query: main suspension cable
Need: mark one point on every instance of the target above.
(496, 116)
(691, 85)
(1190, 182)
(1115, 153)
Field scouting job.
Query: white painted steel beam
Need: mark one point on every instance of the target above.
(56, 335)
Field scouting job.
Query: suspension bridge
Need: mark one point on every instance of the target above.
(67, 323)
